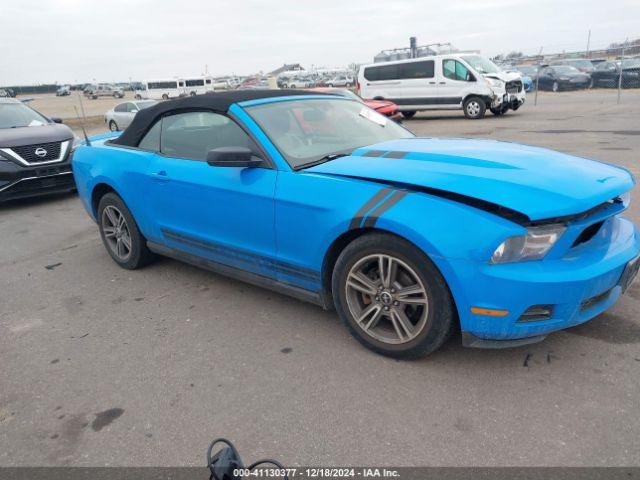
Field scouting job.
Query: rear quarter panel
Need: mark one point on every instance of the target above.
(123, 169)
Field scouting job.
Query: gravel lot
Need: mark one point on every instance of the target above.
(102, 366)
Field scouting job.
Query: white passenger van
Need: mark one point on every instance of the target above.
(469, 82)
(162, 89)
(198, 85)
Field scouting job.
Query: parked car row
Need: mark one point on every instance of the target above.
(572, 74)
(306, 79)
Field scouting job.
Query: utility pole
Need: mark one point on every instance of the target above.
(588, 42)
(621, 66)
(535, 101)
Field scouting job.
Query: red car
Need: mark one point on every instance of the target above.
(385, 107)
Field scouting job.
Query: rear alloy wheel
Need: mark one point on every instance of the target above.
(391, 297)
(113, 126)
(474, 108)
(120, 234)
(408, 113)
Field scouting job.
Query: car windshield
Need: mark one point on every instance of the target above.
(312, 130)
(565, 69)
(481, 64)
(14, 115)
(581, 63)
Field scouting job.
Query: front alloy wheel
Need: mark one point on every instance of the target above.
(391, 297)
(387, 299)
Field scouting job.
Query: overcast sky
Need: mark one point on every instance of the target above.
(113, 40)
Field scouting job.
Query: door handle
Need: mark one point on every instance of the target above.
(443, 83)
(161, 176)
(432, 83)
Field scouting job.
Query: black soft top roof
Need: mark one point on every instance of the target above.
(217, 102)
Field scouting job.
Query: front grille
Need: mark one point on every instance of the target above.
(35, 186)
(28, 152)
(594, 301)
(514, 86)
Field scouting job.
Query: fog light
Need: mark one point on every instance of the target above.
(537, 313)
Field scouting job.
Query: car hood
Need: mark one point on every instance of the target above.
(504, 76)
(537, 182)
(17, 137)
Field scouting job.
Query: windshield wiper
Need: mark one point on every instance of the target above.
(325, 159)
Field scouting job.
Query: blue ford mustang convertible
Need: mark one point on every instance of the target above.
(319, 197)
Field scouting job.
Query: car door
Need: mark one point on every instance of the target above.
(419, 85)
(545, 78)
(454, 82)
(132, 109)
(120, 114)
(224, 214)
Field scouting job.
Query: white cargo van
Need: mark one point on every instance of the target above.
(469, 82)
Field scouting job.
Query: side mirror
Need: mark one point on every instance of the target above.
(233, 157)
(56, 119)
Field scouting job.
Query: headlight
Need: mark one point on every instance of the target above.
(532, 246)
(494, 82)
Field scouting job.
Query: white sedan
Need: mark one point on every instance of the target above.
(120, 116)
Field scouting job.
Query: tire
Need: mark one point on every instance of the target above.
(94, 97)
(474, 108)
(165, 96)
(193, 94)
(408, 113)
(138, 96)
(137, 255)
(113, 126)
(434, 317)
(555, 87)
(116, 95)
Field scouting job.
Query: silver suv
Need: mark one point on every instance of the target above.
(104, 90)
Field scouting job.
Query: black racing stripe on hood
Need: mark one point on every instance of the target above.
(373, 153)
(395, 155)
